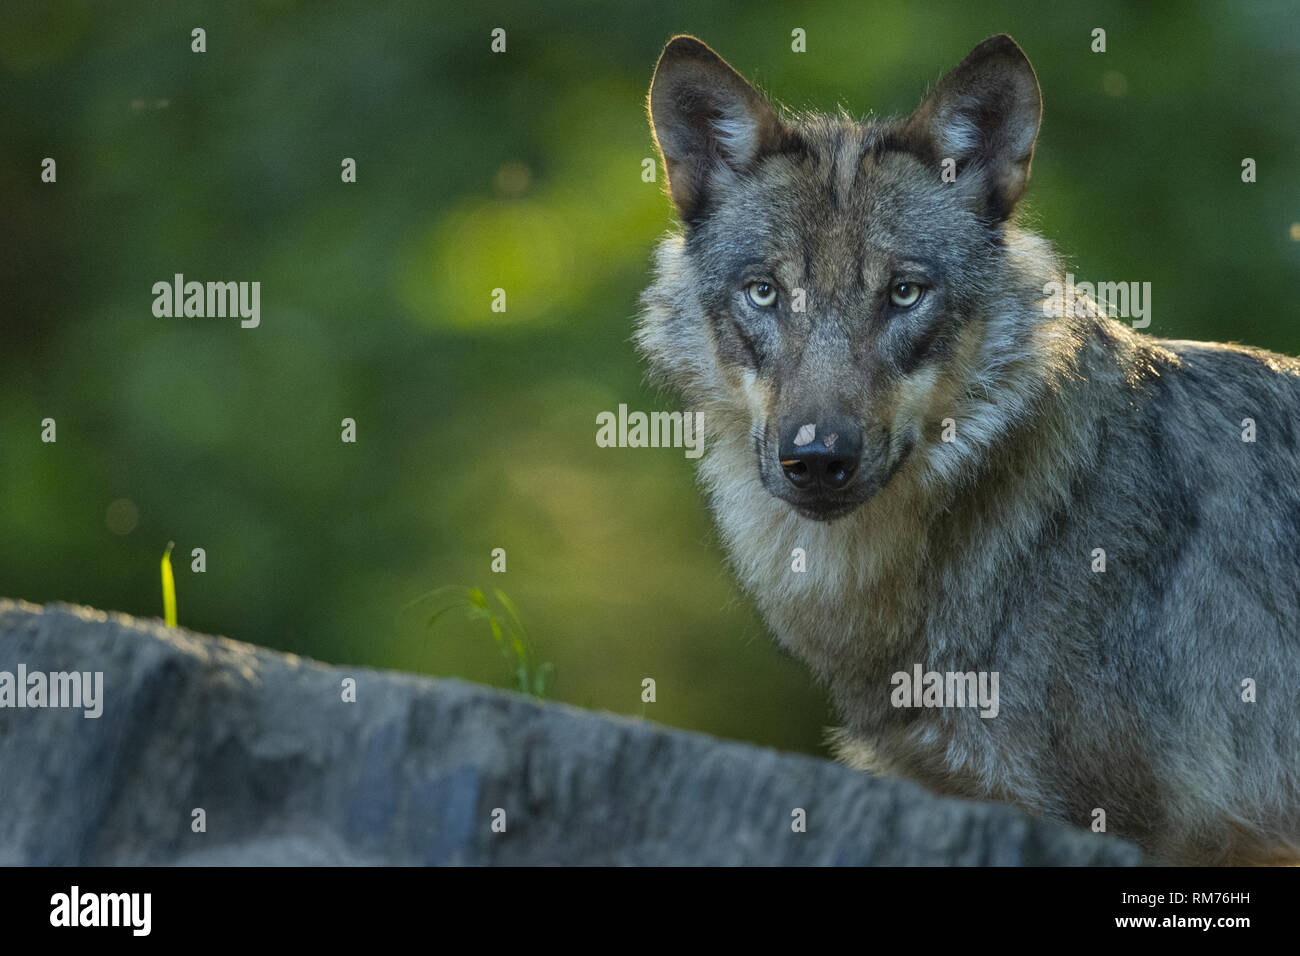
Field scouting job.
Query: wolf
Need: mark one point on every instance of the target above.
(972, 483)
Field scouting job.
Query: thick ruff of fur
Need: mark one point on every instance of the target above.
(1121, 690)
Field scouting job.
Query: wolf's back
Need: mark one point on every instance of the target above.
(1147, 628)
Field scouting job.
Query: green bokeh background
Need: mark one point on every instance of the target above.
(476, 429)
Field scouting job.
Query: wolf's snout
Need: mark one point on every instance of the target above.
(820, 455)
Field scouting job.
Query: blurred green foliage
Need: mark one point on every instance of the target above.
(505, 627)
(521, 171)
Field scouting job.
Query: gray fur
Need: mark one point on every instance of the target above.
(1120, 690)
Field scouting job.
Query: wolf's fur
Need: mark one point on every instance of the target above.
(1120, 690)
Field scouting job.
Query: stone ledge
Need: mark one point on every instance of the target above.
(410, 774)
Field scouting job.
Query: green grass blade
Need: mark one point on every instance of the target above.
(169, 586)
(458, 605)
(458, 589)
(511, 610)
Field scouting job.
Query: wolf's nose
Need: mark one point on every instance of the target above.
(822, 455)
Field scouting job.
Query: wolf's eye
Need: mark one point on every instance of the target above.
(761, 294)
(905, 294)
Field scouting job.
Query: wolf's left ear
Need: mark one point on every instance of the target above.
(985, 115)
(707, 122)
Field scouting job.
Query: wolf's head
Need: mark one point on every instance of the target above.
(834, 294)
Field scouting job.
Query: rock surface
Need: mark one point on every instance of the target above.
(288, 773)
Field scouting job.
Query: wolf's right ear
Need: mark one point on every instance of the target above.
(708, 123)
(985, 115)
